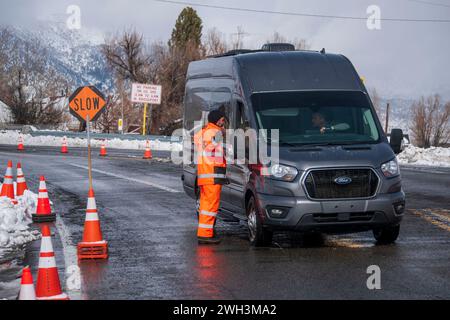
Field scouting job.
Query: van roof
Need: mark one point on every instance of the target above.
(280, 71)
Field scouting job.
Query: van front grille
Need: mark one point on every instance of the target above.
(324, 184)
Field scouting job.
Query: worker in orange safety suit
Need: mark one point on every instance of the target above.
(211, 174)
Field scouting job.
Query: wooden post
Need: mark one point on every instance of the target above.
(88, 129)
(387, 118)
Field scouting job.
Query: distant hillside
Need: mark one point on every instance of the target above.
(71, 52)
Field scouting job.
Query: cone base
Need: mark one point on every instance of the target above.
(147, 157)
(92, 250)
(40, 218)
(103, 155)
(62, 151)
(61, 296)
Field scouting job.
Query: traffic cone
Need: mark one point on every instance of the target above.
(148, 152)
(26, 285)
(103, 152)
(43, 209)
(20, 146)
(21, 183)
(48, 286)
(92, 246)
(64, 148)
(7, 186)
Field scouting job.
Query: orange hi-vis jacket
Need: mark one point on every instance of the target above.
(211, 163)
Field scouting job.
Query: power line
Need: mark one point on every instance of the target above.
(431, 3)
(298, 14)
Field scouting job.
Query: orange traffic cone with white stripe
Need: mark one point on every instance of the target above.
(92, 246)
(43, 209)
(20, 146)
(27, 291)
(64, 148)
(148, 152)
(48, 286)
(21, 185)
(8, 186)
(103, 152)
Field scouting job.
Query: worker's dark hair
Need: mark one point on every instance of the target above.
(215, 115)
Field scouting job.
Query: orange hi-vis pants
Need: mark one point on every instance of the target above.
(209, 206)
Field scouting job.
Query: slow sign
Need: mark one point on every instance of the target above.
(87, 101)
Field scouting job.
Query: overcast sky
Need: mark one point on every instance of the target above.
(403, 59)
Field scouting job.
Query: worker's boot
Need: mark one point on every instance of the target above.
(212, 240)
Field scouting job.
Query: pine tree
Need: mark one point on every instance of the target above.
(187, 30)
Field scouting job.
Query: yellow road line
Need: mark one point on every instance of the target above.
(431, 216)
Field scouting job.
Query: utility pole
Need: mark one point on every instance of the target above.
(387, 118)
(240, 35)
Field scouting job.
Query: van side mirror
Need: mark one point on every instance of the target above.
(396, 140)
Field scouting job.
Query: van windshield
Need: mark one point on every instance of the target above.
(317, 117)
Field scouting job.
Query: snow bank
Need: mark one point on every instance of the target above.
(14, 221)
(10, 137)
(436, 157)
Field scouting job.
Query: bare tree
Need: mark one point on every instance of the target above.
(441, 134)
(430, 124)
(238, 38)
(214, 42)
(31, 88)
(110, 116)
(126, 55)
(300, 44)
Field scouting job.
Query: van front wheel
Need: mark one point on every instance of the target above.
(386, 235)
(257, 234)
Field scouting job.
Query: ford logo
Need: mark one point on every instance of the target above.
(343, 180)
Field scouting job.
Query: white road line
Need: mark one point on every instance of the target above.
(152, 184)
(70, 260)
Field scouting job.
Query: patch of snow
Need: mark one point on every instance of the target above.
(14, 221)
(11, 136)
(434, 156)
(5, 113)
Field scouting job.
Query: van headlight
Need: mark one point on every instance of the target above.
(390, 168)
(282, 172)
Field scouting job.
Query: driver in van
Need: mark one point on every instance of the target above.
(318, 121)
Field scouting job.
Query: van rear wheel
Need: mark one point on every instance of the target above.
(386, 235)
(257, 234)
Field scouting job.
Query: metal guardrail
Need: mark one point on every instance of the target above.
(105, 136)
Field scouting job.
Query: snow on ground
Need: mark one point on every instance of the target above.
(435, 157)
(11, 137)
(14, 221)
(5, 114)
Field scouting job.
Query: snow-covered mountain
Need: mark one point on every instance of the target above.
(75, 54)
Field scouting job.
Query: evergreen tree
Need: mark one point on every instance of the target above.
(187, 31)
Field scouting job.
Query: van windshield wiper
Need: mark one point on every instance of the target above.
(324, 144)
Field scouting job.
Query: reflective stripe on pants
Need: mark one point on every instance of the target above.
(209, 206)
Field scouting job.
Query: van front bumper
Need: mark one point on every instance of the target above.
(332, 216)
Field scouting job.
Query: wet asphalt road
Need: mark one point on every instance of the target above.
(150, 225)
